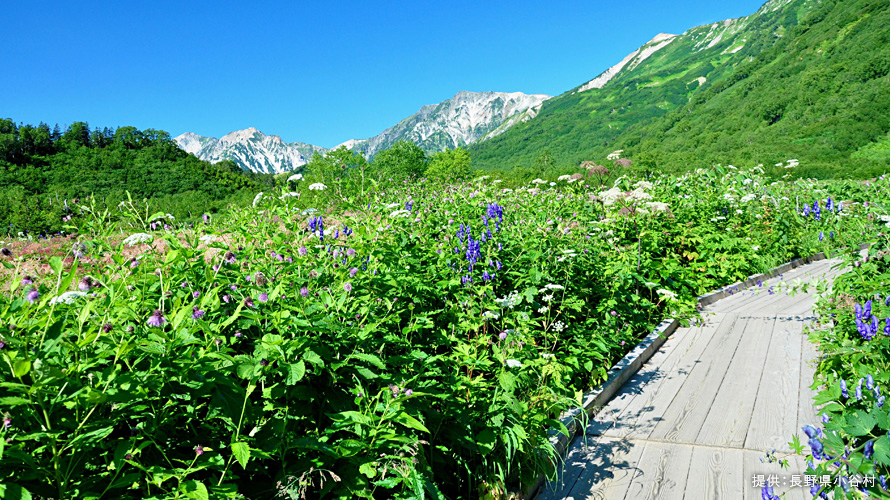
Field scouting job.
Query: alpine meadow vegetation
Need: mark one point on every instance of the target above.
(360, 337)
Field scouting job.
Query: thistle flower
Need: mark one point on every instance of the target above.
(230, 258)
(264, 297)
(27, 280)
(304, 292)
(199, 450)
(6, 252)
(206, 218)
(156, 319)
(226, 298)
(347, 286)
(197, 313)
(32, 295)
(107, 327)
(248, 302)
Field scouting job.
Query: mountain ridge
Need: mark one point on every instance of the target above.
(458, 121)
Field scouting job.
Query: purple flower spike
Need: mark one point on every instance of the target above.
(869, 382)
(844, 392)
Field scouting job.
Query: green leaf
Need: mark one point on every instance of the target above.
(368, 469)
(195, 489)
(21, 367)
(55, 262)
(370, 358)
(485, 441)
(10, 491)
(13, 401)
(410, 422)
(882, 450)
(860, 423)
(171, 256)
(295, 372)
(241, 451)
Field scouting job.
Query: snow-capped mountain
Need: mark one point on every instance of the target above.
(251, 149)
(461, 120)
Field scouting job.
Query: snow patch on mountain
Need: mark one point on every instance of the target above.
(632, 60)
(250, 149)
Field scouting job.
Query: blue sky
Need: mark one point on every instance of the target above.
(317, 72)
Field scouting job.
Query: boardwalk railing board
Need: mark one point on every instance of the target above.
(628, 366)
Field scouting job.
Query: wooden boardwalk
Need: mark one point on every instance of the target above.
(697, 418)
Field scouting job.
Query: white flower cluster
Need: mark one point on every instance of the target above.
(295, 177)
(644, 185)
(611, 196)
(729, 197)
(539, 181)
(553, 286)
(748, 197)
(614, 155)
(292, 194)
(564, 177)
(510, 301)
(514, 363)
(638, 195)
(400, 213)
(490, 315)
(665, 293)
(657, 206)
(317, 187)
(559, 326)
(137, 238)
(67, 298)
(208, 238)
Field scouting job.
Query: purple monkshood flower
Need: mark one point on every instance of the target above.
(264, 297)
(304, 291)
(869, 382)
(821, 235)
(866, 312)
(858, 311)
(347, 286)
(816, 446)
(197, 313)
(887, 326)
(767, 493)
(859, 391)
(825, 418)
(844, 392)
(32, 295)
(156, 319)
(869, 450)
(810, 431)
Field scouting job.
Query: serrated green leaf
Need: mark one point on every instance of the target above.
(860, 423)
(370, 358)
(241, 451)
(486, 441)
(882, 450)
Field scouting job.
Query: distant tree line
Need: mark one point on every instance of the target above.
(46, 173)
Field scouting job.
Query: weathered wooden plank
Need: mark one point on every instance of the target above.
(685, 412)
(775, 408)
(581, 452)
(609, 471)
(729, 417)
(783, 477)
(807, 412)
(716, 473)
(644, 411)
(662, 472)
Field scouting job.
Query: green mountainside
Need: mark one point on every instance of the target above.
(803, 79)
(43, 172)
